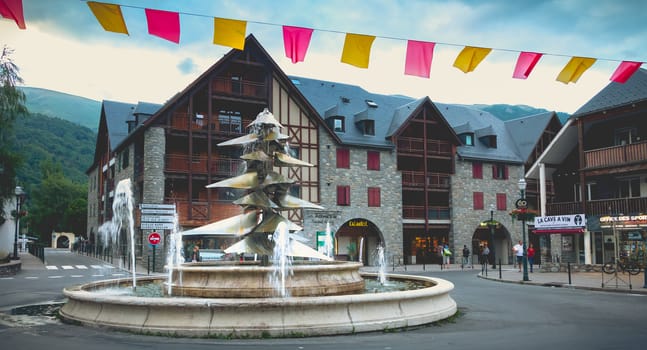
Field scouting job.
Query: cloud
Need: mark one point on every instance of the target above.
(187, 66)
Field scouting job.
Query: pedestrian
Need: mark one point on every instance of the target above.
(518, 252)
(446, 255)
(466, 256)
(195, 255)
(484, 255)
(531, 255)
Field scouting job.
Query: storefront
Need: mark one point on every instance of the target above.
(623, 236)
(574, 244)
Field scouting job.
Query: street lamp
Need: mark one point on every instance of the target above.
(19, 196)
(522, 204)
(491, 224)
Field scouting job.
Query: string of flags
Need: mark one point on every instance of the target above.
(356, 50)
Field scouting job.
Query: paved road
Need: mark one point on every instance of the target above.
(492, 315)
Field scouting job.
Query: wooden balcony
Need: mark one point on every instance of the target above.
(241, 88)
(416, 145)
(432, 180)
(215, 124)
(200, 165)
(616, 155)
(418, 212)
(196, 213)
(600, 207)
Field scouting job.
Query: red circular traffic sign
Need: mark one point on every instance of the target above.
(154, 238)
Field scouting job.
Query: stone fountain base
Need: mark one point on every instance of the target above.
(259, 317)
(240, 280)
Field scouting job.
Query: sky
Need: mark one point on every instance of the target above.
(64, 48)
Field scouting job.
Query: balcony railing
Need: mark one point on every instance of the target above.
(416, 145)
(432, 180)
(199, 165)
(600, 207)
(218, 124)
(246, 88)
(616, 155)
(418, 212)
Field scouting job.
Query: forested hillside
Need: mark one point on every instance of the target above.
(79, 110)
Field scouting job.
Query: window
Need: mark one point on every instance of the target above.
(343, 195)
(500, 171)
(501, 201)
(373, 160)
(478, 200)
(477, 170)
(338, 124)
(625, 136)
(369, 127)
(230, 121)
(343, 158)
(467, 139)
(628, 188)
(374, 197)
(125, 158)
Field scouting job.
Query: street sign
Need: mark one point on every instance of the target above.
(156, 206)
(157, 226)
(158, 211)
(154, 238)
(157, 218)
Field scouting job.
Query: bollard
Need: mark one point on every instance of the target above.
(568, 268)
(148, 265)
(500, 276)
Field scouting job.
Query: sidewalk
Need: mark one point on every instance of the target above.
(599, 281)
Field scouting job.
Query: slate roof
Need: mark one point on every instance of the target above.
(117, 114)
(526, 131)
(333, 98)
(616, 94)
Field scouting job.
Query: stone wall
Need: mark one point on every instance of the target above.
(153, 191)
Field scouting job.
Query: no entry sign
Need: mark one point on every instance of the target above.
(154, 238)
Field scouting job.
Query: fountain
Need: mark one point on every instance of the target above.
(293, 290)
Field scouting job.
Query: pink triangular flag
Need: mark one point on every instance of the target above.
(624, 71)
(296, 41)
(12, 9)
(164, 24)
(418, 59)
(525, 64)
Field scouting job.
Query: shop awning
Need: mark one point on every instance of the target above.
(558, 231)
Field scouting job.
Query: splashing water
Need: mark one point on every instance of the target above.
(328, 247)
(122, 211)
(175, 253)
(381, 263)
(282, 261)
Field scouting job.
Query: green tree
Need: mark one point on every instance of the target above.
(12, 104)
(57, 204)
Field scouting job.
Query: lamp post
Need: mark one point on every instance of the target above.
(491, 224)
(19, 195)
(522, 204)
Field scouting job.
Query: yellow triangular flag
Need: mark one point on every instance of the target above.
(357, 49)
(229, 32)
(470, 57)
(574, 69)
(109, 16)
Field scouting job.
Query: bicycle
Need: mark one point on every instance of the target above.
(630, 266)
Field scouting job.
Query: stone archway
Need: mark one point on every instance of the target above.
(357, 240)
(498, 239)
(62, 239)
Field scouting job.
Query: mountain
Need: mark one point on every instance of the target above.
(76, 109)
(507, 112)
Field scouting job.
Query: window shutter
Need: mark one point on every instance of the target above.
(501, 201)
(505, 172)
(478, 200)
(494, 172)
(477, 170)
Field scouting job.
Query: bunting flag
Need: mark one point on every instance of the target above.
(470, 57)
(574, 69)
(296, 41)
(164, 24)
(12, 9)
(109, 16)
(418, 58)
(229, 32)
(357, 49)
(624, 71)
(525, 64)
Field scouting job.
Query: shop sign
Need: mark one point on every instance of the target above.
(560, 221)
(623, 221)
(358, 223)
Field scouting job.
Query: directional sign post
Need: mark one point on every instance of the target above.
(154, 239)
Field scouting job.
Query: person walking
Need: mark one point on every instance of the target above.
(195, 255)
(485, 253)
(518, 252)
(466, 256)
(446, 255)
(531, 255)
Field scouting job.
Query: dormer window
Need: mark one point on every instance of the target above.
(338, 124)
(344, 99)
(489, 141)
(371, 103)
(467, 139)
(369, 127)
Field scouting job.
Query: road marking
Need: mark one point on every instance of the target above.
(67, 267)
(98, 275)
(119, 274)
(81, 267)
(6, 278)
(76, 276)
(96, 266)
(31, 278)
(52, 267)
(55, 277)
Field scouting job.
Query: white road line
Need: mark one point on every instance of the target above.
(96, 266)
(81, 267)
(31, 278)
(98, 275)
(76, 276)
(108, 267)
(55, 277)
(52, 267)
(6, 278)
(67, 267)
(119, 274)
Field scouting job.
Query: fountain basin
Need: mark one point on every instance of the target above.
(259, 317)
(227, 279)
